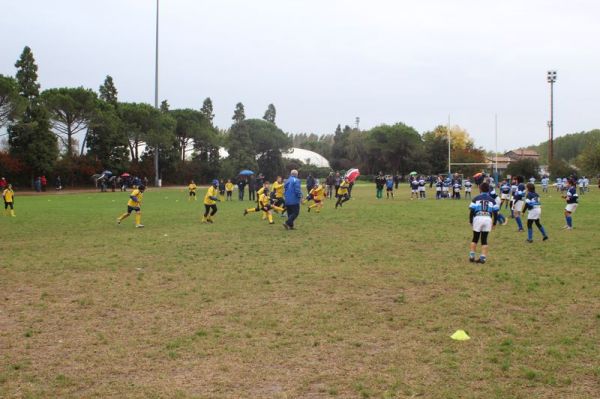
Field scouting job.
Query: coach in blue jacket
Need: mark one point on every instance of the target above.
(293, 198)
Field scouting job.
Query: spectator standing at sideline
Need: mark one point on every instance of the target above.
(293, 197)
(37, 184)
(241, 183)
(44, 182)
(337, 181)
(252, 188)
(330, 182)
(379, 184)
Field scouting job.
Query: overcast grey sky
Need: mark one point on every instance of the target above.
(324, 62)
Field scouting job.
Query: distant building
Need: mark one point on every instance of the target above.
(503, 163)
(522, 153)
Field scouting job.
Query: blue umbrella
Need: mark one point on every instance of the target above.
(246, 172)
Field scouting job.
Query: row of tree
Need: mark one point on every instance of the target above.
(395, 149)
(75, 132)
(580, 150)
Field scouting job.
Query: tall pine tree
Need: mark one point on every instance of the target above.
(30, 139)
(207, 109)
(270, 114)
(108, 91)
(239, 114)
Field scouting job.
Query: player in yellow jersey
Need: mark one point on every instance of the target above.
(9, 200)
(134, 204)
(267, 206)
(278, 193)
(259, 193)
(192, 191)
(342, 192)
(210, 202)
(317, 195)
(229, 189)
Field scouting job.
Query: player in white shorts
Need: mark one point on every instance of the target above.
(572, 198)
(533, 207)
(482, 216)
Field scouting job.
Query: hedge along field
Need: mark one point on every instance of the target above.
(357, 302)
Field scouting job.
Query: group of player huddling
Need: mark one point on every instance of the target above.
(485, 209)
(444, 187)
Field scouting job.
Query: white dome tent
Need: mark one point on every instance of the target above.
(306, 156)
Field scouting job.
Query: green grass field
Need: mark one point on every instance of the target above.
(358, 302)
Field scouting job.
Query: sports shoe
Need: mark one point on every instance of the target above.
(529, 241)
(118, 221)
(286, 226)
(308, 209)
(545, 238)
(139, 226)
(209, 220)
(482, 261)
(245, 212)
(471, 259)
(271, 222)
(520, 231)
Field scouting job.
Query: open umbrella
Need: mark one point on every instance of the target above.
(246, 172)
(413, 173)
(352, 174)
(125, 174)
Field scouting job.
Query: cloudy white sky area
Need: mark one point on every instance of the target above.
(324, 62)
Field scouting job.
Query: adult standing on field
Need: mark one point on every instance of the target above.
(293, 198)
(379, 184)
(241, 183)
(252, 188)
(330, 182)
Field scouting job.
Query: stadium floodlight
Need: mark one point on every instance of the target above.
(156, 176)
(551, 76)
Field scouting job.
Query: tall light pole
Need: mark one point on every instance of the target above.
(449, 147)
(496, 145)
(551, 80)
(156, 176)
(357, 120)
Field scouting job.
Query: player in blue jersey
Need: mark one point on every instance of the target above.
(533, 207)
(518, 205)
(389, 187)
(545, 182)
(514, 185)
(572, 199)
(504, 194)
(446, 188)
(482, 216)
(500, 217)
(422, 192)
(468, 188)
(438, 187)
(456, 187)
(414, 188)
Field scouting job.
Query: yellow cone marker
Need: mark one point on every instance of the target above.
(460, 335)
